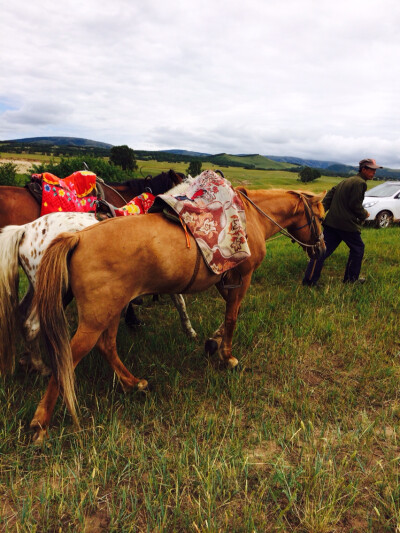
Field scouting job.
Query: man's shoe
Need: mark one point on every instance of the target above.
(309, 283)
(359, 281)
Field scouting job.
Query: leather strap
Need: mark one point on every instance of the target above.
(195, 271)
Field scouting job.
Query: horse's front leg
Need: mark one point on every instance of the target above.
(222, 338)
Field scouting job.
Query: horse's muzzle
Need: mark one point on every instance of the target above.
(318, 250)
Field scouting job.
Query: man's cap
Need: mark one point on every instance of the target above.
(370, 163)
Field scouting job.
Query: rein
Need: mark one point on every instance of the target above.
(103, 183)
(310, 222)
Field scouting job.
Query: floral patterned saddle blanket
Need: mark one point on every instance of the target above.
(214, 214)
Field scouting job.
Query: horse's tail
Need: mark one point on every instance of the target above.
(10, 238)
(51, 285)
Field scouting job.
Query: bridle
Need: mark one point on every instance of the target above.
(316, 235)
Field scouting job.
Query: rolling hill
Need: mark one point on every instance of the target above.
(61, 141)
(249, 161)
(253, 161)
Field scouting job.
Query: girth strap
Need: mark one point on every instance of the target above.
(195, 271)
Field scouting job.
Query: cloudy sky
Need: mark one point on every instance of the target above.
(306, 78)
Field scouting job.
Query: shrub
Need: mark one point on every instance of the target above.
(8, 174)
(309, 174)
(124, 157)
(194, 168)
(100, 167)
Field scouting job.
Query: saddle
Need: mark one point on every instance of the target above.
(35, 187)
(75, 193)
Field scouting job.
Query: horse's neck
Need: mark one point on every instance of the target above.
(279, 210)
(120, 196)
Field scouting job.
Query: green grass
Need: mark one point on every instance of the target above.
(304, 438)
(254, 179)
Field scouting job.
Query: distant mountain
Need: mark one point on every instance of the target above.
(334, 168)
(259, 161)
(185, 152)
(313, 163)
(251, 161)
(61, 141)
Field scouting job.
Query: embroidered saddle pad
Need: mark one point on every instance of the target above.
(214, 214)
(74, 193)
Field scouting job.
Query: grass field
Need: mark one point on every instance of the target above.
(303, 438)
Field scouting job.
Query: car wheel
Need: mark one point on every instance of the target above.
(384, 219)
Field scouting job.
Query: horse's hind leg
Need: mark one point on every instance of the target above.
(180, 305)
(130, 316)
(32, 360)
(107, 346)
(81, 344)
(31, 328)
(31, 357)
(212, 345)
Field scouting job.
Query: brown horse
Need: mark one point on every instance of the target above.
(18, 206)
(158, 260)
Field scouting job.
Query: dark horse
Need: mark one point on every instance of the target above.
(18, 206)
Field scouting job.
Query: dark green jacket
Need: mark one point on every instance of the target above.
(344, 204)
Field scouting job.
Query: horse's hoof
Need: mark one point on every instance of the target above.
(133, 323)
(40, 434)
(142, 385)
(232, 363)
(237, 368)
(210, 347)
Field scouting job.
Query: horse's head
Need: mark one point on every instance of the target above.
(176, 177)
(307, 226)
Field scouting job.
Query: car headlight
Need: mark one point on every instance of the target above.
(370, 204)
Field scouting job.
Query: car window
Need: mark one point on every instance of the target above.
(383, 190)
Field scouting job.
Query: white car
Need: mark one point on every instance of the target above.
(383, 203)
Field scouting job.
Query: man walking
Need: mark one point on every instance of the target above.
(345, 213)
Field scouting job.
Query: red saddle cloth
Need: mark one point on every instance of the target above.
(76, 192)
(137, 206)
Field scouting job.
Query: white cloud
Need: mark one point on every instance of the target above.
(297, 77)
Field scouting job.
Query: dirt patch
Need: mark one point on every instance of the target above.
(7, 512)
(96, 522)
(262, 454)
(21, 164)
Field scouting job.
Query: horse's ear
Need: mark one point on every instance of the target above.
(317, 197)
(176, 178)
